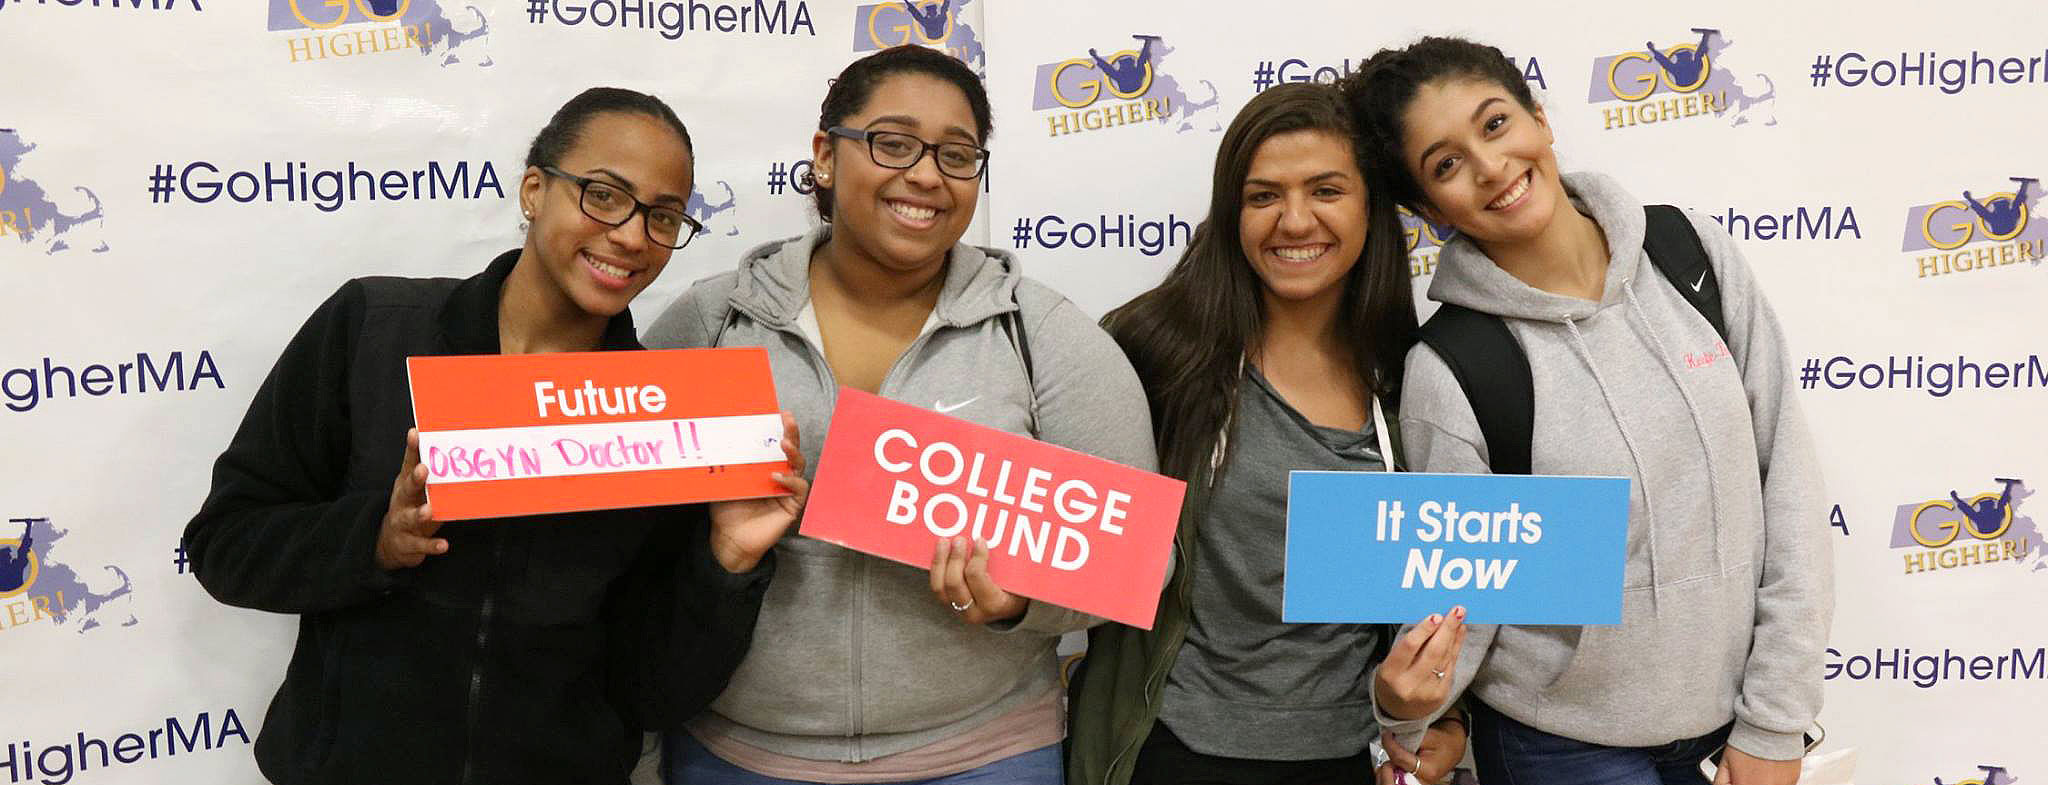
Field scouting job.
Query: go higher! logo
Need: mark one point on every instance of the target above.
(1954, 531)
(1424, 241)
(1986, 775)
(1974, 233)
(932, 23)
(1119, 89)
(1682, 82)
(35, 587)
(27, 212)
(329, 29)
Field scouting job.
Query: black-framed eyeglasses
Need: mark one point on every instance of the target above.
(897, 150)
(610, 205)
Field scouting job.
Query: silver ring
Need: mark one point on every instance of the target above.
(958, 607)
(1439, 674)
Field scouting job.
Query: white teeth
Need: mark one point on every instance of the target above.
(913, 212)
(1521, 187)
(1300, 254)
(611, 270)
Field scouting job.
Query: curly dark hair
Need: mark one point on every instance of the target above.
(1381, 89)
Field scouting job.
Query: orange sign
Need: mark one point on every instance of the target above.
(1061, 526)
(529, 434)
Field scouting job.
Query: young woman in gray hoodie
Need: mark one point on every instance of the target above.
(862, 669)
(1727, 592)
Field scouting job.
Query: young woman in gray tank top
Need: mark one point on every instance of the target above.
(1274, 344)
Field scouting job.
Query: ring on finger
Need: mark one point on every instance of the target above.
(959, 607)
(1439, 674)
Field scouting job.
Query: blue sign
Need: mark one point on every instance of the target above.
(1379, 547)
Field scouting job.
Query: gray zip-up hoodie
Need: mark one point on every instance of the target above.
(853, 658)
(1728, 589)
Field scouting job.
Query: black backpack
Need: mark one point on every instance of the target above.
(1494, 371)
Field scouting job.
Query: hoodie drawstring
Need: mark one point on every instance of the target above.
(1649, 514)
(1664, 358)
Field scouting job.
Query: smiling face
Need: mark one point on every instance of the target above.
(1303, 220)
(1483, 161)
(903, 219)
(600, 268)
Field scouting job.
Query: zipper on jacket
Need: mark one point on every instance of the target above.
(923, 336)
(476, 673)
(857, 631)
(856, 634)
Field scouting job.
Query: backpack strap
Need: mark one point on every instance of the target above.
(1494, 372)
(1675, 249)
(1014, 324)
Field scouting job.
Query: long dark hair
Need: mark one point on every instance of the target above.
(1187, 337)
(849, 94)
(1381, 89)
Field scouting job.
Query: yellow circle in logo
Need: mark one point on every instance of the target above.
(1706, 69)
(2003, 526)
(28, 577)
(342, 17)
(1143, 88)
(1948, 529)
(1967, 229)
(908, 31)
(1647, 80)
(2017, 227)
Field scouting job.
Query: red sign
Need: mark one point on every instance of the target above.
(527, 434)
(1061, 526)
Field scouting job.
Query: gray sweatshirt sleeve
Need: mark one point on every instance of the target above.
(1439, 435)
(690, 322)
(1781, 684)
(1089, 400)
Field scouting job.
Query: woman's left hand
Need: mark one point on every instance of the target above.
(744, 530)
(1442, 747)
(960, 579)
(1741, 768)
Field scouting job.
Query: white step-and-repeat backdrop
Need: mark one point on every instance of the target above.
(181, 181)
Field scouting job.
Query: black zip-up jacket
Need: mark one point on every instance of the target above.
(534, 650)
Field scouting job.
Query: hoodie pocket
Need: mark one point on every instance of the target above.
(797, 676)
(1669, 671)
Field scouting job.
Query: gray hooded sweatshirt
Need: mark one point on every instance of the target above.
(1728, 588)
(853, 657)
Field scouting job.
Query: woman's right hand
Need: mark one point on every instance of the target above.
(1414, 679)
(407, 536)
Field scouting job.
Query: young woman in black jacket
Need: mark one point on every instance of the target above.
(514, 650)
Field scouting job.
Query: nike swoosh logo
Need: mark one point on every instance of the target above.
(942, 408)
(1703, 279)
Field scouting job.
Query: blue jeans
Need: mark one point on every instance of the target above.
(689, 763)
(1510, 753)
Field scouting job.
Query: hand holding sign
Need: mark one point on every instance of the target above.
(406, 537)
(1054, 525)
(536, 434)
(1415, 678)
(743, 531)
(960, 579)
(1440, 752)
